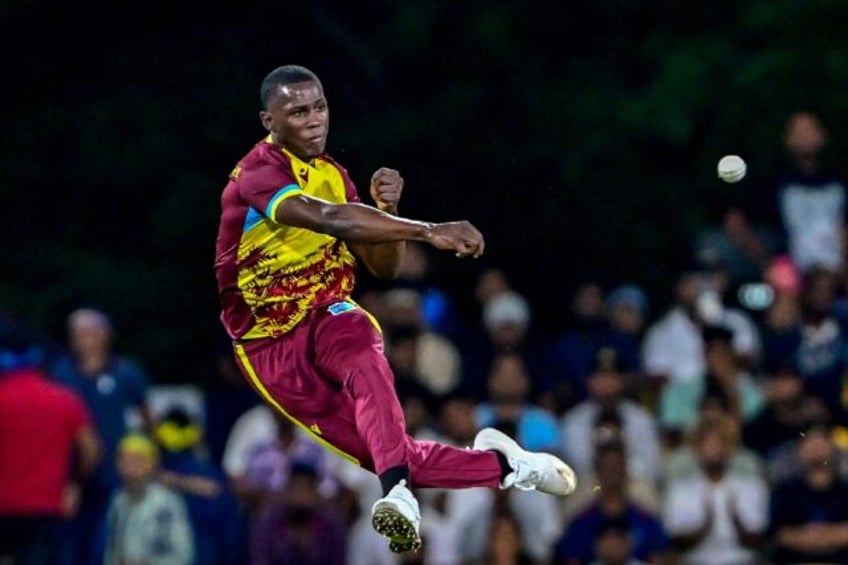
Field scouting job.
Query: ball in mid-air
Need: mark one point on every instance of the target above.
(731, 168)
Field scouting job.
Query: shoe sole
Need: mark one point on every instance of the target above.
(488, 439)
(394, 526)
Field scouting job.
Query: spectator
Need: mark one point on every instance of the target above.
(716, 516)
(817, 341)
(267, 464)
(219, 537)
(505, 327)
(114, 388)
(437, 360)
(256, 426)
(573, 353)
(469, 510)
(505, 542)
(299, 527)
(644, 537)
(803, 209)
(146, 522)
(723, 381)
(673, 348)
(509, 409)
(627, 314)
(491, 282)
(606, 387)
(788, 408)
(614, 544)
(809, 514)
(403, 352)
(47, 443)
(437, 308)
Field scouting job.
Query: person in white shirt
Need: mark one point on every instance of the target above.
(716, 516)
(606, 388)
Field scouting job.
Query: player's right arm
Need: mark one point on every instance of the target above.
(360, 223)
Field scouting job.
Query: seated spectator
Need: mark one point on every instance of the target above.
(437, 307)
(644, 535)
(300, 527)
(788, 409)
(505, 544)
(606, 388)
(267, 465)
(506, 327)
(644, 492)
(437, 362)
(572, 354)
(723, 381)
(809, 513)
(614, 544)
(255, 426)
(673, 347)
(627, 313)
(509, 409)
(403, 352)
(145, 522)
(216, 521)
(715, 515)
(816, 339)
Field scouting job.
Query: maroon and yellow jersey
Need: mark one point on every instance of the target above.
(269, 274)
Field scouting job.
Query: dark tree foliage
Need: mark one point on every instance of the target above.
(580, 137)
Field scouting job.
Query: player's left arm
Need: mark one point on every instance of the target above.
(383, 260)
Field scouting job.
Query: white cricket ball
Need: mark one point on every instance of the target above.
(732, 168)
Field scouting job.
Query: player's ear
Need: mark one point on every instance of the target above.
(265, 118)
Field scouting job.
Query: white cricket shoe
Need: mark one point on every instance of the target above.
(530, 470)
(396, 517)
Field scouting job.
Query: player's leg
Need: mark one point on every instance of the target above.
(348, 349)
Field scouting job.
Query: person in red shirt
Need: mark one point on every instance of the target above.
(46, 441)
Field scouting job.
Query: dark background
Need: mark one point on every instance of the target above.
(580, 137)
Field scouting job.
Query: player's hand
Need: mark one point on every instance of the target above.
(386, 188)
(461, 237)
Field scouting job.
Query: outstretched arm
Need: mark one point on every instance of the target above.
(359, 223)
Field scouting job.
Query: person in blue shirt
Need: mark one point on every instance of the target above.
(648, 539)
(508, 409)
(114, 389)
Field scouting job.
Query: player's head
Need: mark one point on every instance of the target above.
(295, 110)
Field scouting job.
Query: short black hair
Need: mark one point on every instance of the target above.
(287, 74)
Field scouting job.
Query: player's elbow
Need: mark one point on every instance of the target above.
(337, 222)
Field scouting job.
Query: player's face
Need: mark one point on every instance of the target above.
(299, 119)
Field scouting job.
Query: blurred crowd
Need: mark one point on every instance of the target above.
(710, 431)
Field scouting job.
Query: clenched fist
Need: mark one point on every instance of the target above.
(386, 188)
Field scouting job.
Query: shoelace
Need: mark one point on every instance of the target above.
(524, 478)
(406, 495)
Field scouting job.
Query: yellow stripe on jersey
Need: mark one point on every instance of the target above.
(254, 378)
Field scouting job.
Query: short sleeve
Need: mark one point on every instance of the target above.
(264, 188)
